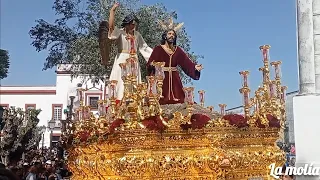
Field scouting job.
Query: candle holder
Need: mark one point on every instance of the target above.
(132, 65)
(246, 104)
(152, 94)
(222, 109)
(273, 89)
(244, 75)
(189, 96)
(264, 75)
(277, 69)
(152, 86)
(201, 97)
(101, 108)
(124, 70)
(159, 74)
(245, 91)
(159, 71)
(189, 99)
(265, 54)
(112, 89)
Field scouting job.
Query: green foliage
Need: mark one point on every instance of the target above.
(4, 63)
(72, 38)
(18, 135)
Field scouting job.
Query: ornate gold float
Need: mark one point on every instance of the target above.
(140, 139)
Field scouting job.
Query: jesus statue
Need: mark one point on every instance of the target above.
(173, 56)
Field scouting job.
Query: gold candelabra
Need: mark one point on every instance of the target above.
(269, 99)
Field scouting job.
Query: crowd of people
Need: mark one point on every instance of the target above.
(41, 165)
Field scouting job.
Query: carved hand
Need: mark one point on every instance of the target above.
(115, 6)
(199, 67)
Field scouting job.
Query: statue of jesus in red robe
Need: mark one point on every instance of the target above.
(173, 56)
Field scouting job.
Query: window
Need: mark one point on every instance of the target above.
(55, 138)
(91, 99)
(28, 107)
(57, 112)
(93, 102)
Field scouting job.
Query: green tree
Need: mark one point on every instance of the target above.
(73, 37)
(18, 134)
(4, 63)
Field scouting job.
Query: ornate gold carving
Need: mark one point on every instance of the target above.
(220, 150)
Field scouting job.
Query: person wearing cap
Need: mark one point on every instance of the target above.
(129, 41)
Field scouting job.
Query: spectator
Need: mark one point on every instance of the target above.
(32, 175)
(292, 150)
(6, 174)
(284, 176)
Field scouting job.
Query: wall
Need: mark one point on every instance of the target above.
(43, 97)
(289, 115)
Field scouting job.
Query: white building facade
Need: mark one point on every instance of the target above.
(52, 100)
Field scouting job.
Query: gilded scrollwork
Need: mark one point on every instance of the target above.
(119, 145)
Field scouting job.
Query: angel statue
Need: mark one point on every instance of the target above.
(127, 40)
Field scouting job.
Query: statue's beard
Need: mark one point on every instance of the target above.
(170, 40)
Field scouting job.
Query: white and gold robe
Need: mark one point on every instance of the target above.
(124, 47)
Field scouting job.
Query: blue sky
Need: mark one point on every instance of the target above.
(227, 33)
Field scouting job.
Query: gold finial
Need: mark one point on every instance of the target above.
(265, 47)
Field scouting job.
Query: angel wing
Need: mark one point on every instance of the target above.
(104, 43)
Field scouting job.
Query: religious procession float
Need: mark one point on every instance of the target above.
(141, 137)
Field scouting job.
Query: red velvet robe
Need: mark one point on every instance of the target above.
(172, 89)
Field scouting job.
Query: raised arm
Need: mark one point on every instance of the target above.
(189, 67)
(111, 33)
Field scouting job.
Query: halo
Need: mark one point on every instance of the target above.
(170, 25)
